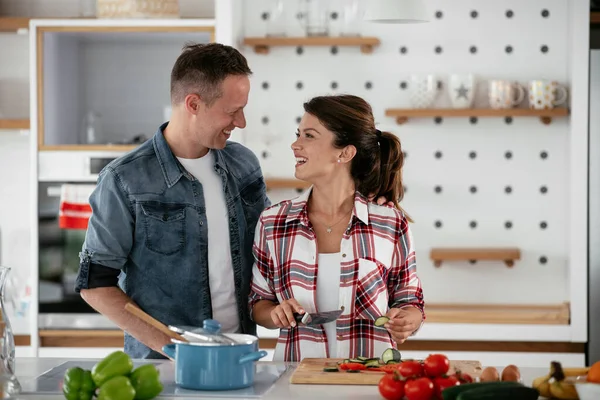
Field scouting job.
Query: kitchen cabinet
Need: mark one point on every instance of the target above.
(104, 84)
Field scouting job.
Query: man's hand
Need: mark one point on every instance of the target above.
(403, 322)
(381, 200)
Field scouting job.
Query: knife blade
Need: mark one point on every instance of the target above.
(317, 318)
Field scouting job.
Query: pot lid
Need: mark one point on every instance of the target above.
(209, 334)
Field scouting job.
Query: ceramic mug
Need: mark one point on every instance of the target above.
(462, 90)
(423, 90)
(544, 94)
(505, 94)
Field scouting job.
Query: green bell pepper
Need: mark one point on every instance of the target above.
(78, 384)
(117, 363)
(116, 388)
(146, 382)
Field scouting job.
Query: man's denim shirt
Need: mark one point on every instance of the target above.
(149, 221)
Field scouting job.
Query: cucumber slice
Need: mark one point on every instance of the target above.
(357, 360)
(362, 358)
(391, 362)
(391, 354)
(331, 369)
(381, 321)
(353, 371)
(373, 363)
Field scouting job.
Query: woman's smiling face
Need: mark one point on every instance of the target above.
(316, 157)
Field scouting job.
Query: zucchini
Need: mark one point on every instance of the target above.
(453, 392)
(381, 321)
(500, 393)
(391, 354)
(331, 369)
(373, 363)
(353, 371)
(356, 360)
(363, 359)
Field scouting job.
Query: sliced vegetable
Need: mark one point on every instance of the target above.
(331, 369)
(391, 354)
(353, 370)
(355, 366)
(381, 321)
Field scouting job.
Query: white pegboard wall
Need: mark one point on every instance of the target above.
(470, 183)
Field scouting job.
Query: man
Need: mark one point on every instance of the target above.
(148, 239)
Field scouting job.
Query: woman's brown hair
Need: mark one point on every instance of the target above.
(377, 166)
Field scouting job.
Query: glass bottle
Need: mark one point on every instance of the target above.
(314, 17)
(9, 384)
(276, 22)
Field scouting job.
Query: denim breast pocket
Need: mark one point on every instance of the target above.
(371, 299)
(252, 203)
(164, 225)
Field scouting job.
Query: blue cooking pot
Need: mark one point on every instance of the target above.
(206, 362)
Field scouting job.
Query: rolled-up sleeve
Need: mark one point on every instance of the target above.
(261, 287)
(404, 284)
(109, 236)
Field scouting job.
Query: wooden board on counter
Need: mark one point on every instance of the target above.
(310, 372)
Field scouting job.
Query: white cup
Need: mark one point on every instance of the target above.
(543, 94)
(423, 90)
(505, 94)
(462, 90)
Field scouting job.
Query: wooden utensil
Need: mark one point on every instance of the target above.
(310, 371)
(138, 312)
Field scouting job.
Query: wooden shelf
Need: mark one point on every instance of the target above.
(521, 314)
(402, 115)
(13, 24)
(98, 338)
(279, 183)
(262, 44)
(14, 124)
(88, 147)
(507, 255)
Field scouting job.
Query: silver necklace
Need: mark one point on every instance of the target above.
(341, 219)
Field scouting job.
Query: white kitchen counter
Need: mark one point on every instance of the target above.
(30, 368)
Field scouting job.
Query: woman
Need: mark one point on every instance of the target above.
(331, 248)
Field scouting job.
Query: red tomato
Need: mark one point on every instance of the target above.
(463, 378)
(419, 389)
(389, 369)
(442, 382)
(410, 369)
(436, 365)
(391, 387)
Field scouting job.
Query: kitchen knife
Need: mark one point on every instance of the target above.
(318, 318)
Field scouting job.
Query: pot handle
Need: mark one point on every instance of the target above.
(169, 350)
(257, 355)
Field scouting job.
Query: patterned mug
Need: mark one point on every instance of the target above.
(505, 94)
(423, 90)
(543, 94)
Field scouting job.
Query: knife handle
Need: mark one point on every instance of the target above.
(298, 317)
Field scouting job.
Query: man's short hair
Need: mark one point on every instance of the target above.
(201, 68)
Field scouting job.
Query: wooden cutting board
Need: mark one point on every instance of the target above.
(310, 371)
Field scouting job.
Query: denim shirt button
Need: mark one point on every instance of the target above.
(201, 223)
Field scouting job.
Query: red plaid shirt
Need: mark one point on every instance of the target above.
(378, 271)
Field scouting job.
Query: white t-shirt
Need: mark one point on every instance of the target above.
(220, 266)
(328, 294)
